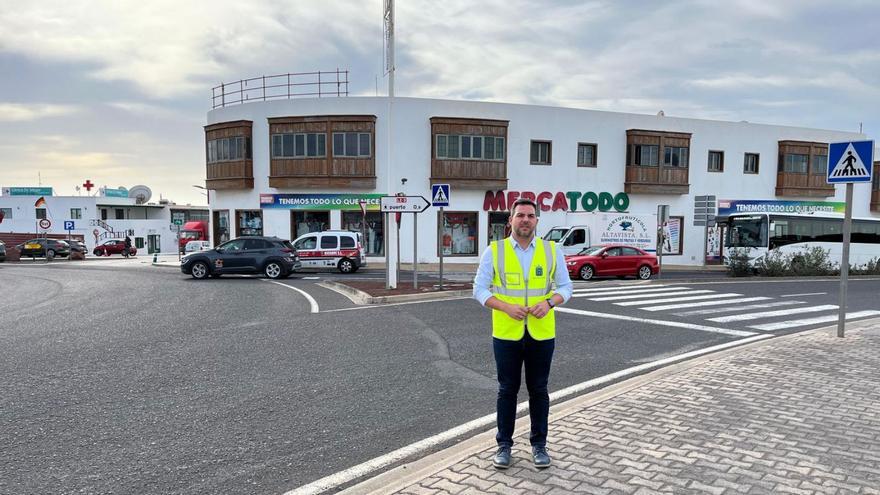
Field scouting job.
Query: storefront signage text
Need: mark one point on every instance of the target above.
(27, 191)
(730, 206)
(319, 201)
(568, 201)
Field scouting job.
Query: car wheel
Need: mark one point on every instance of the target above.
(644, 272)
(200, 270)
(346, 266)
(97, 252)
(50, 253)
(273, 270)
(586, 272)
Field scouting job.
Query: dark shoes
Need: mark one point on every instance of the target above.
(541, 458)
(502, 458)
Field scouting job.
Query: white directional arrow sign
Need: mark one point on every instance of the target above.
(404, 204)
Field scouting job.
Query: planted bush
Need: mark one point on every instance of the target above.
(738, 263)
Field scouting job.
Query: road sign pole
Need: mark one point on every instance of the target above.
(387, 255)
(415, 250)
(844, 261)
(440, 245)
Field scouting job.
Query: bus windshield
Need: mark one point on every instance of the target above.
(747, 232)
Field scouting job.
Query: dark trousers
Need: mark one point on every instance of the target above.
(510, 356)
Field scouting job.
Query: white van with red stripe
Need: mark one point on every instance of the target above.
(340, 249)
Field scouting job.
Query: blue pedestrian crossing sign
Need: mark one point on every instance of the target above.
(68, 225)
(439, 194)
(850, 162)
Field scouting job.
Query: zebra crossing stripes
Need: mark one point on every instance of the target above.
(644, 296)
(627, 292)
(769, 327)
(739, 300)
(678, 299)
(730, 309)
(770, 314)
(624, 288)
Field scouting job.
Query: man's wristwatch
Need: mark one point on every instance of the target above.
(550, 303)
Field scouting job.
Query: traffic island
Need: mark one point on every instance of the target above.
(374, 292)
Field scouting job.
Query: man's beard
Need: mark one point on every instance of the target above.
(525, 231)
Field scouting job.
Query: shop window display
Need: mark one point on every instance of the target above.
(351, 220)
(498, 226)
(250, 222)
(459, 234)
(305, 222)
(222, 223)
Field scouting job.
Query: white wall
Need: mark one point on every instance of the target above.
(565, 127)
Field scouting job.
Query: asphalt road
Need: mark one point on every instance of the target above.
(132, 379)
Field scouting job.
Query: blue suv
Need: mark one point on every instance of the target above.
(271, 256)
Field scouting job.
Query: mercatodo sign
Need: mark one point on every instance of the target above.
(568, 201)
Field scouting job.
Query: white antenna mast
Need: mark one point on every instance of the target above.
(389, 44)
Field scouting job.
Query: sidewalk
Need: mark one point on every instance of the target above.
(795, 414)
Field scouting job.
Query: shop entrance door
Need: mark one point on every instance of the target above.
(153, 244)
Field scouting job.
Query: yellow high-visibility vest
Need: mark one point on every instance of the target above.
(513, 286)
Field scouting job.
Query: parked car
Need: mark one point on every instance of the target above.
(271, 256)
(44, 248)
(340, 249)
(77, 247)
(113, 246)
(2, 252)
(611, 260)
(193, 246)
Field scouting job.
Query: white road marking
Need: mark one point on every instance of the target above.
(704, 303)
(647, 296)
(623, 292)
(804, 294)
(423, 446)
(678, 299)
(305, 294)
(810, 321)
(311, 278)
(734, 308)
(676, 324)
(770, 314)
(618, 287)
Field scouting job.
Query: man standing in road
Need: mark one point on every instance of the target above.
(515, 279)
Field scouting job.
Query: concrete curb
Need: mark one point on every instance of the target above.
(360, 297)
(406, 474)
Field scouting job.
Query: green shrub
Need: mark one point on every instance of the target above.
(738, 263)
(812, 262)
(775, 264)
(872, 267)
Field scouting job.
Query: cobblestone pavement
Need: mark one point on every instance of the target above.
(798, 414)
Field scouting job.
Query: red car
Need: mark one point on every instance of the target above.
(611, 260)
(113, 246)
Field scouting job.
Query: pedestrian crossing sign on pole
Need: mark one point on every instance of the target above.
(850, 162)
(439, 194)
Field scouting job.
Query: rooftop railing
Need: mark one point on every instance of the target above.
(281, 86)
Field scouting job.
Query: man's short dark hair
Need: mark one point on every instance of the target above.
(525, 201)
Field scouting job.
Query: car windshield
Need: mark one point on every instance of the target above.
(590, 250)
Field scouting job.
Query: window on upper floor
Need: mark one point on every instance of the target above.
(675, 156)
(76, 213)
(819, 165)
(41, 213)
(299, 145)
(750, 163)
(7, 213)
(352, 144)
(586, 155)
(469, 147)
(646, 155)
(794, 163)
(541, 153)
(229, 149)
(716, 161)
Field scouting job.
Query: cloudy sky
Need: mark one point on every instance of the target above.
(117, 91)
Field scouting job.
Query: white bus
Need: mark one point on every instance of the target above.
(794, 232)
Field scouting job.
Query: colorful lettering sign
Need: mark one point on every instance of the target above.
(728, 207)
(320, 201)
(631, 230)
(568, 201)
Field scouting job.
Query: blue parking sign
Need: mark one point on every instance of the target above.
(68, 225)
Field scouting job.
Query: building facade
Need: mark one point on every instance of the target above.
(288, 167)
